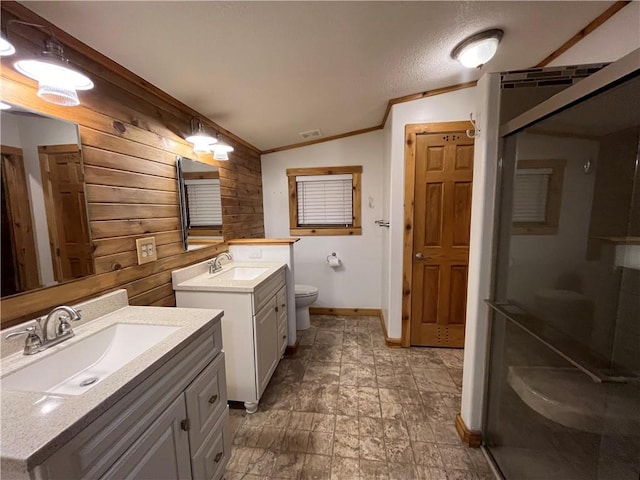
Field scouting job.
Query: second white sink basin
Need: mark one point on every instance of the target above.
(84, 363)
(240, 273)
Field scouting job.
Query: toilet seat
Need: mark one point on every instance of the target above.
(305, 290)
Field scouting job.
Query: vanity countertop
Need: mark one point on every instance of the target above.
(198, 278)
(35, 425)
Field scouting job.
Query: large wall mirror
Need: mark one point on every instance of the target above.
(45, 228)
(200, 205)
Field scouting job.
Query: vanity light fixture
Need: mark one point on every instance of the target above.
(4, 106)
(6, 48)
(57, 81)
(221, 149)
(201, 140)
(478, 49)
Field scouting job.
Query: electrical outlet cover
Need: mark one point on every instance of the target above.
(146, 248)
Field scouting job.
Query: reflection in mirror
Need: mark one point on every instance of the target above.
(45, 229)
(200, 205)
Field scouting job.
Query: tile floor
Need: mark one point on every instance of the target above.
(348, 407)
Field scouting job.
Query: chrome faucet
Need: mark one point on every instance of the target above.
(215, 264)
(38, 342)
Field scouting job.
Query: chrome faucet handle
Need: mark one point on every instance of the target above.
(63, 326)
(32, 343)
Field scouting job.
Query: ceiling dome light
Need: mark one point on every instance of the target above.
(478, 49)
(201, 140)
(6, 48)
(221, 149)
(57, 83)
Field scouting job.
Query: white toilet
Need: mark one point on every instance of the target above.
(305, 296)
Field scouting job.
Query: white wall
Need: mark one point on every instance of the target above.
(448, 107)
(385, 283)
(357, 283)
(616, 38)
(31, 132)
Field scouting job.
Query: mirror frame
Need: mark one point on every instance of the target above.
(183, 203)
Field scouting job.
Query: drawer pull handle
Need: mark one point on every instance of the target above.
(284, 337)
(185, 424)
(218, 457)
(283, 305)
(276, 309)
(213, 399)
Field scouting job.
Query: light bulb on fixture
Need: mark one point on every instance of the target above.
(478, 49)
(221, 149)
(57, 82)
(6, 48)
(4, 106)
(201, 140)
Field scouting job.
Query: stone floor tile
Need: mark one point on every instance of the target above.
(316, 467)
(370, 427)
(347, 424)
(345, 468)
(271, 438)
(262, 462)
(295, 440)
(300, 421)
(391, 410)
(326, 373)
(395, 428)
(372, 448)
(247, 435)
(403, 471)
(426, 453)
(399, 451)
(373, 470)
(320, 443)
(345, 445)
(329, 337)
(323, 422)
(240, 459)
(288, 465)
(455, 458)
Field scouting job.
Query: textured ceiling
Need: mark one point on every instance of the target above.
(269, 70)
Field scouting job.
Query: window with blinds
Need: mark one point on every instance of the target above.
(537, 191)
(530, 192)
(203, 198)
(325, 200)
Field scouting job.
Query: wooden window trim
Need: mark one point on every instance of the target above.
(355, 229)
(551, 225)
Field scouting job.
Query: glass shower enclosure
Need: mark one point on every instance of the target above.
(564, 372)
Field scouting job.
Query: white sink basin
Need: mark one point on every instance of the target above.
(240, 273)
(84, 363)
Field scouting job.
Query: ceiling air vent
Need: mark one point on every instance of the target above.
(311, 134)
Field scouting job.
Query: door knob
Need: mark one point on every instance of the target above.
(419, 256)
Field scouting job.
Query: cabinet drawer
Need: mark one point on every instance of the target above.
(265, 292)
(206, 400)
(210, 461)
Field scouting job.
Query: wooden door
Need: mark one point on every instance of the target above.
(442, 219)
(19, 260)
(63, 185)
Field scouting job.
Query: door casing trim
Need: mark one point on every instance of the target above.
(411, 131)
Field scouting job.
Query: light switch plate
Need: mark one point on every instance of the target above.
(146, 248)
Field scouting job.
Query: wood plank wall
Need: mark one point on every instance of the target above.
(131, 133)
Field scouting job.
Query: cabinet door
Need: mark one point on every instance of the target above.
(266, 338)
(162, 452)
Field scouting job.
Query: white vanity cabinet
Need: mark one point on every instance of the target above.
(254, 330)
(173, 425)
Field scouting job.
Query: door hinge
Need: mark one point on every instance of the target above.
(185, 425)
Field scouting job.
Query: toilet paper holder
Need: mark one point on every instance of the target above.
(333, 260)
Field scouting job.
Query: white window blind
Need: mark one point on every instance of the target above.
(203, 197)
(325, 200)
(530, 194)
